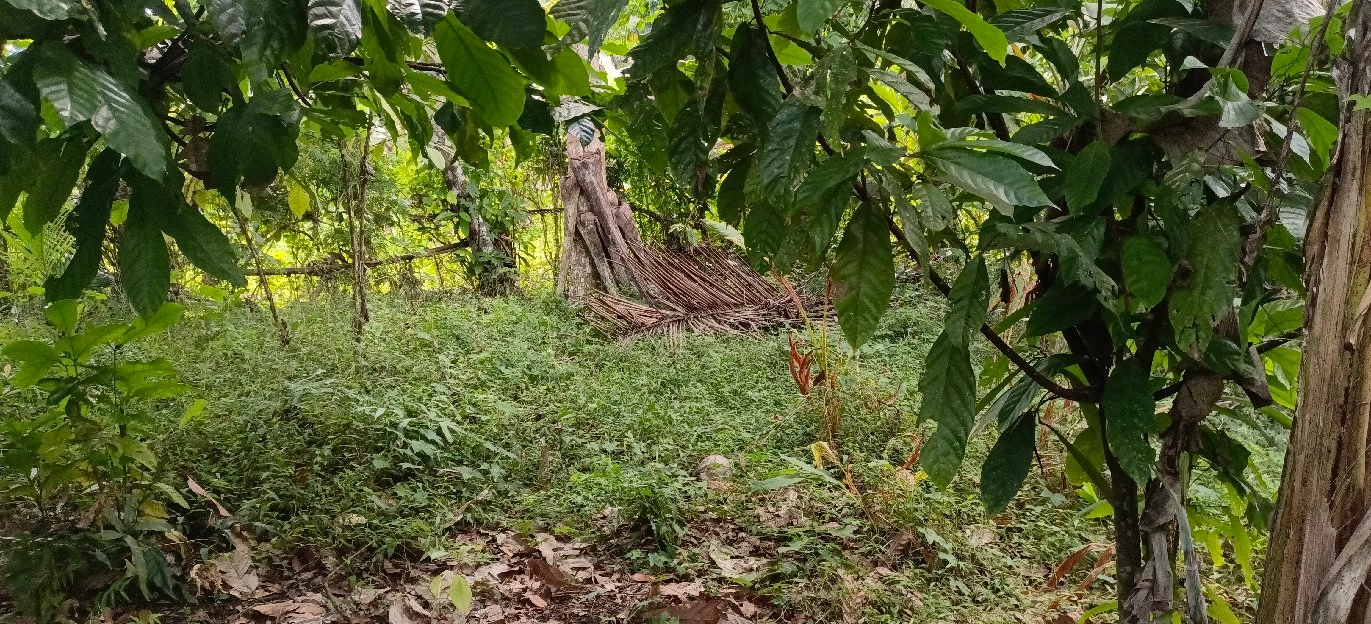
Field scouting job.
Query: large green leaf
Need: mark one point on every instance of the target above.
(264, 30)
(731, 198)
(1147, 270)
(482, 75)
(14, 182)
(1023, 24)
(1322, 134)
(1007, 465)
(52, 183)
(835, 77)
(230, 18)
(1018, 150)
(1000, 180)
(764, 231)
(992, 39)
(82, 91)
(201, 241)
(1236, 109)
(897, 83)
(1207, 280)
(1085, 176)
(837, 172)
(382, 47)
(687, 148)
(811, 14)
(51, 10)
(510, 23)
(1064, 306)
(144, 264)
(1000, 103)
(790, 143)
(968, 301)
(250, 145)
(1133, 43)
(751, 77)
(949, 399)
(1203, 29)
(68, 83)
(563, 74)
(1058, 237)
(419, 16)
(131, 127)
(1129, 413)
(35, 360)
(863, 274)
(588, 19)
(336, 26)
(206, 77)
(1018, 398)
(87, 225)
(684, 27)
(18, 116)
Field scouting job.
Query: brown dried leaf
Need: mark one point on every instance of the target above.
(236, 573)
(418, 607)
(548, 574)
(708, 611)
(400, 614)
(1100, 564)
(549, 547)
(289, 607)
(199, 491)
(367, 595)
(1067, 565)
(492, 572)
(536, 600)
(681, 590)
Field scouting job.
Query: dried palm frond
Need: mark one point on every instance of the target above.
(704, 290)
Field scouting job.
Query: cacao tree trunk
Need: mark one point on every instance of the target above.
(5, 284)
(356, 212)
(492, 257)
(1317, 559)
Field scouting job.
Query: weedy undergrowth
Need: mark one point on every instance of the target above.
(77, 466)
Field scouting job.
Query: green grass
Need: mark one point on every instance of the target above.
(461, 414)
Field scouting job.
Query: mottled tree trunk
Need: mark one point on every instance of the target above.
(282, 330)
(1317, 560)
(601, 239)
(492, 257)
(5, 284)
(357, 212)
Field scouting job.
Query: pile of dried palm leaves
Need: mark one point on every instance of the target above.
(702, 290)
(630, 288)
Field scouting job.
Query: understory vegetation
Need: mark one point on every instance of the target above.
(457, 416)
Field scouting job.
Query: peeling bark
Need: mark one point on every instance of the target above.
(1324, 490)
(600, 237)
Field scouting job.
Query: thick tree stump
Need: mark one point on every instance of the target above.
(600, 239)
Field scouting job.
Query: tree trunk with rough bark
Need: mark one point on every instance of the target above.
(599, 236)
(5, 284)
(356, 212)
(1317, 560)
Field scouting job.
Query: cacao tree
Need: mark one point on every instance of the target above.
(150, 100)
(1116, 161)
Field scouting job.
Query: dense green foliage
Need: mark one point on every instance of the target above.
(1121, 204)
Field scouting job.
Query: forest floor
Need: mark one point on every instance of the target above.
(565, 478)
